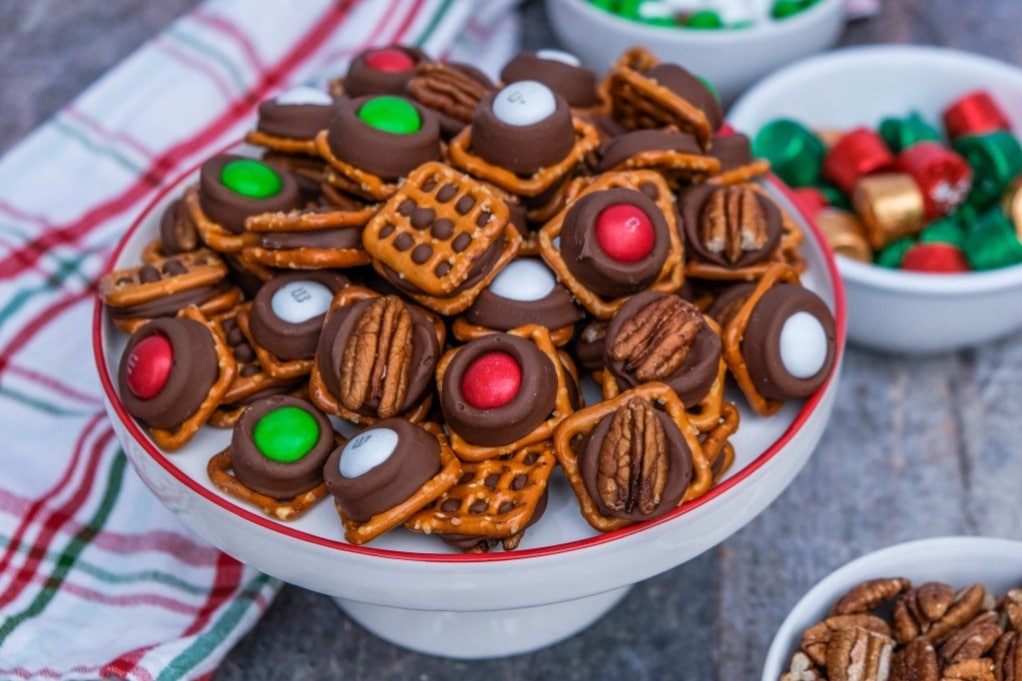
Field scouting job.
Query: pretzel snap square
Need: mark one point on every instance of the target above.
(435, 228)
(218, 468)
(347, 177)
(493, 499)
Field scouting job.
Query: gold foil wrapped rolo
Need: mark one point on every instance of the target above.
(1012, 205)
(845, 233)
(890, 206)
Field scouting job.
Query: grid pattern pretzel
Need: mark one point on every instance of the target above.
(320, 394)
(671, 274)
(639, 102)
(540, 337)
(586, 140)
(435, 262)
(583, 421)
(172, 440)
(493, 499)
(219, 471)
(271, 364)
(125, 287)
(449, 474)
(734, 333)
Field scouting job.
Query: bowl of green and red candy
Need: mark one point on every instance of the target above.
(704, 14)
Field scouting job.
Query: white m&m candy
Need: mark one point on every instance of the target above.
(298, 301)
(525, 102)
(524, 280)
(304, 94)
(803, 345)
(366, 451)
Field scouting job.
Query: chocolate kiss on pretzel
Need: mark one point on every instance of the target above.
(501, 392)
(375, 357)
(290, 121)
(523, 139)
(375, 141)
(618, 237)
(731, 231)
(277, 452)
(386, 473)
(380, 71)
(173, 374)
(676, 155)
(632, 458)
(779, 339)
(232, 188)
(560, 71)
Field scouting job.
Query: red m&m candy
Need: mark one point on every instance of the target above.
(149, 366)
(624, 232)
(491, 381)
(389, 59)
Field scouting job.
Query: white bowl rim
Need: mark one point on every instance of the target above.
(874, 276)
(703, 37)
(809, 407)
(784, 637)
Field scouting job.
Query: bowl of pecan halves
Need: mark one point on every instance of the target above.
(926, 610)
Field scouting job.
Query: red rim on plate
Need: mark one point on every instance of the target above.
(808, 408)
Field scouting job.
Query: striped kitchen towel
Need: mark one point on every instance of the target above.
(97, 579)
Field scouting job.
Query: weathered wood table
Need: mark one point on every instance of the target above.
(916, 447)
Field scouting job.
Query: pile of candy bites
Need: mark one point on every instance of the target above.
(432, 259)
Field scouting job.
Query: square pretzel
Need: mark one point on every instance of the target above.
(271, 364)
(347, 177)
(583, 421)
(496, 498)
(309, 221)
(213, 234)
(671, 274)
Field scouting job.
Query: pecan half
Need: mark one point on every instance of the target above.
(1011, 604)
(870, 595)
(655, 342)
(733, 222)
(915, 611)
(855, 654)
(972, 640)
(632, 470)
(816, 637)
(976, 669)
(801, 669)
(966, 605)
(376, 362)
(447, 89)
(915, 662)
(1008, 657)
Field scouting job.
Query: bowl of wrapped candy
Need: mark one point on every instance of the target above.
(731, 43)
(940, 608)
(908, 158)
(473, 388)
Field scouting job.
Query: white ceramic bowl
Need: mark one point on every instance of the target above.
(958, 561)
(890, 310)
(731, 59)
(413, 590)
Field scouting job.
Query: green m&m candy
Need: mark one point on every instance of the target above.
(251, 178)
(391, 114)
(286, 434)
